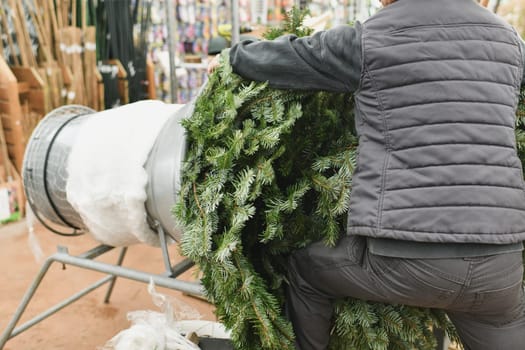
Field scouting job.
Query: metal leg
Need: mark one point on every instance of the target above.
(25, 300)
(181, 267)
(90, 254)
(114, 278)
(164, 248)
(442, 339)
(112, 271)
(160, 280)
(59, 306)
(175, 270)
(10, 331)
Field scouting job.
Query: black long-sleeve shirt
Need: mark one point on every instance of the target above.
(328, 60)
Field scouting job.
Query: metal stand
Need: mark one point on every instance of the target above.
(442, 340)
(236, 26)
(171, 26)
(85, 261)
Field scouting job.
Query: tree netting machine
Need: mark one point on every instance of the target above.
(67, 195)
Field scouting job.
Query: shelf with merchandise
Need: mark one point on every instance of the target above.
(197, 21)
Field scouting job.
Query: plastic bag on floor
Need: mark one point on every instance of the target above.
(173, 309)
(153, 330)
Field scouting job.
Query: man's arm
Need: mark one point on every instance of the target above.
(328, 60)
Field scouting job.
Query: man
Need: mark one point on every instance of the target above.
(437, 211)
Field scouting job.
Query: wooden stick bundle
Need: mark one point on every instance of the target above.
(5, 27)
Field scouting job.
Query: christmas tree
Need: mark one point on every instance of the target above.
(267, 172)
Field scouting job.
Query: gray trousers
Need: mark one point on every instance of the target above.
(483, 296)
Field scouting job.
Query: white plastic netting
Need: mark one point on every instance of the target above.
(106, 177)
(166, 330)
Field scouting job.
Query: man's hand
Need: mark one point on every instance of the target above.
(214, 63)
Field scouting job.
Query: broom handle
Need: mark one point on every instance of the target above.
(83, 14)
(5, 155)
(2, 48)
(9, 37)
(45, 18)
(74, 13)
(59, 14)
(55, 29)
(18, 33)
(41, 36)
(25, 34)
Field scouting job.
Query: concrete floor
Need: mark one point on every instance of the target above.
(89, 322)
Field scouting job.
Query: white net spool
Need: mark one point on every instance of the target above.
(111, 173)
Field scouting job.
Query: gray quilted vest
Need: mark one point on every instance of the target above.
(435, 113)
